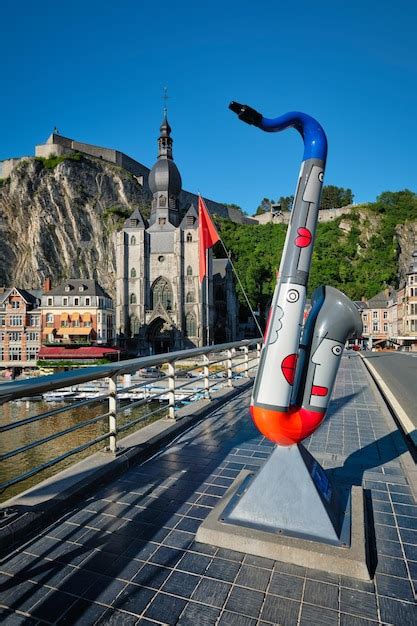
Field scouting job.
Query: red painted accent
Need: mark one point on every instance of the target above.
(304, 238)
(316, 390)
(288, 368)
(286, 427)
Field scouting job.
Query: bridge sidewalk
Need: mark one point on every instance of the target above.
(127, 555)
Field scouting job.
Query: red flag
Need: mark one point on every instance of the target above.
(207, 234)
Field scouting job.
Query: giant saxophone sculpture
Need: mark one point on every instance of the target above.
(295, 379)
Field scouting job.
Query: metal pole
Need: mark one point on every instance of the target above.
(207, 299)
(258, 353)
(229, 368)
(246, 362)
(171, 387)
(206, 373)
(113, 414)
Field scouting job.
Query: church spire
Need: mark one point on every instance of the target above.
(164, 179)
(165, 141)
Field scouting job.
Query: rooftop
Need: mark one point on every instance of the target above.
(86, 286)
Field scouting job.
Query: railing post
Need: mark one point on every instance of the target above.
(246, 362)
(171, 387)
(113, 414)
(258, 352)
(206, 374)
(229, 368)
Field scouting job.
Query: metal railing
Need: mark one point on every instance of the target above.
(216, 366)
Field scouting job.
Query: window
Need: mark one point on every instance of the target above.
(132, 298)
(50, 301)
(87, 301)
(374, 315)
(190, 220)
(65, 301)
(15, 320)
(133, 240)
(385, 328)
(385, 315)
(375, 327)
(76, 301)
(189, 271)
(16, 353)
(2, 320)
(189, 238)
(365, 329)
(67, 287)
(190, 325)
(81, 288)
(49, 319)
(133, 273)
(33, 336)
(161, 292)
(15, 336)
(15, 304)
(32, 353)
(190, 297)
(162, 221)
(33, 320)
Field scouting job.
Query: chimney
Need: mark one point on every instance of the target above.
(47, 284)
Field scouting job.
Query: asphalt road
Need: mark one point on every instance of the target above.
(399, 372)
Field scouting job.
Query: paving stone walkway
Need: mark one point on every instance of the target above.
(127, 555)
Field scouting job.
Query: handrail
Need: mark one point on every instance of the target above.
(26, 388)
(113, 395)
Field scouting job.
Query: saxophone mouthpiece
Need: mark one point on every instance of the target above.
(246, 113)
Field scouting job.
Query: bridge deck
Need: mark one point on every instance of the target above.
(127, 555)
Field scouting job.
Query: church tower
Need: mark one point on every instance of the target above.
(165, 180)
(160, 305)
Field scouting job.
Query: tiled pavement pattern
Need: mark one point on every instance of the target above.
(127, 555)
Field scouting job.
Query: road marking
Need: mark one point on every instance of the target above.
(402, 416)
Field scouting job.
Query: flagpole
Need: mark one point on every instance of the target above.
(207, 299)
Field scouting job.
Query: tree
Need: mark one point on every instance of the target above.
(286, 202)
(333, 197)
(264, 207)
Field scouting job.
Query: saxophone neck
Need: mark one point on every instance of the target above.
(314, 137)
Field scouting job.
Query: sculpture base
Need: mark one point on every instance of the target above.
(289, 512)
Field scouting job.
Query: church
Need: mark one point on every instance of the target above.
(161, 306)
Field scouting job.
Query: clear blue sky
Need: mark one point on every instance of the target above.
(96, 70)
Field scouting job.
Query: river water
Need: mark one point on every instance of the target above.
(18, 410)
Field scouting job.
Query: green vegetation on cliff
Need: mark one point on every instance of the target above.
(51, 162)
(357, 252)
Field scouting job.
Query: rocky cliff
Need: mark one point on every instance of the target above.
(58, 218)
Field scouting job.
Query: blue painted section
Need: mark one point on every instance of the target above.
(314, 137)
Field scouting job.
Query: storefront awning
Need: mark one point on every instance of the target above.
(86, 317)
(78, 330)
(75, 317)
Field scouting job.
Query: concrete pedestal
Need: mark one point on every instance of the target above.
(290, 512)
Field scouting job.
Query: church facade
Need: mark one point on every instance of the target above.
(160, 304)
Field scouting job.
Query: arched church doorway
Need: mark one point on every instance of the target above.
(160, 338)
